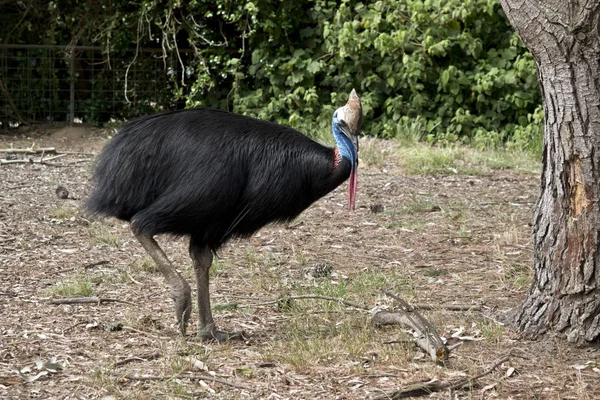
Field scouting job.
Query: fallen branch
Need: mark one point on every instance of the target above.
(127, 360)
(426, 388)
(95, 264)
(88, 300)
(427, 337)
(307, 297)
(43, 160)
(167, 378)
(448, 307)
(420, 306)
(47, 150)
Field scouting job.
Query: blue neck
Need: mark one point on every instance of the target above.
(344, 145)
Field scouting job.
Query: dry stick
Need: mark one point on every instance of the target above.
(309, 296)
(103, 262)
(132, 359)
(420, 306)
(88, 300)
(75, 326)
(165, 378)
(428, 339)
(51, 150)
(426, 388)
(81, 153)
(46, 150)
(95, 264)
(448, 307)
(42, 162)
(132, 329)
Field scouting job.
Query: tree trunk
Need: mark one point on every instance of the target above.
(564, 38)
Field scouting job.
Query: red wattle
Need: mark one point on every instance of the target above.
(352, 189)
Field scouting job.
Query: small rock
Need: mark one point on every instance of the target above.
(62, 192)
(376, 208)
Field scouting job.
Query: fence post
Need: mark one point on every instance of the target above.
(72, 91)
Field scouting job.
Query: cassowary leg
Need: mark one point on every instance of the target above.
(180, 290)
(202, 257)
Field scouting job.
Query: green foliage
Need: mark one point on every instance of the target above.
(447, 70)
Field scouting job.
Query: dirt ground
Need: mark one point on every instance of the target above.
(436, 239)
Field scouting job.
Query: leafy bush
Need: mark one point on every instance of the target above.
(452, 68)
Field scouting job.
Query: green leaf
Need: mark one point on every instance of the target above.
(313, 67)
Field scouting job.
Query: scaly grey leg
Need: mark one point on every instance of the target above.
(180, 290)
(202, 257)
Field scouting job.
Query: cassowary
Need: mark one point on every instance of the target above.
(212, 175)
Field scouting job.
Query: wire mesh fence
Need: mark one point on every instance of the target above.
(82, 84)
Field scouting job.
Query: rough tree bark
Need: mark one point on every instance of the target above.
(564, 38)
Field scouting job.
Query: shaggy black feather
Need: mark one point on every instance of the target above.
(210, 174)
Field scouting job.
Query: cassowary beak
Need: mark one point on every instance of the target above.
(353, 114)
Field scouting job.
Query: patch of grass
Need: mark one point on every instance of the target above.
(372, 152)
(518, 276)
(359, 288)
(101, 234)
(64, 212)
(411, 225)
(145, 264)
(330, 288)
(407, 132)
(464, 232)
(432, 160)
(424, 160)
(508, 237)
(111, 277)
(217, 268)
(79, 286)
(418, 205)
(316, 340)
(369, 282)
(434, 272)
(224, 307)
(491, 331)
(302, 259)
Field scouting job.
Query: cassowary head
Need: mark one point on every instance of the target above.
(346, 127)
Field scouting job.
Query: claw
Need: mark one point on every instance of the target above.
(220, 336)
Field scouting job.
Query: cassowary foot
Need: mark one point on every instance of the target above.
(183, 307)
(220, 336)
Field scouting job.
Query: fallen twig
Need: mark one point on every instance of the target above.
(47, 150)
(88, 300)
(448, 307)
(127, 360)
(74, 326)
(41, 162)
(420, 306)
(427, 337)
(309, 296)
(95, 264)
(133, 280)
(167, 378)
(426, 388)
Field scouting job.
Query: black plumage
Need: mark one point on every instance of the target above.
(212, 175)
(190, 173)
